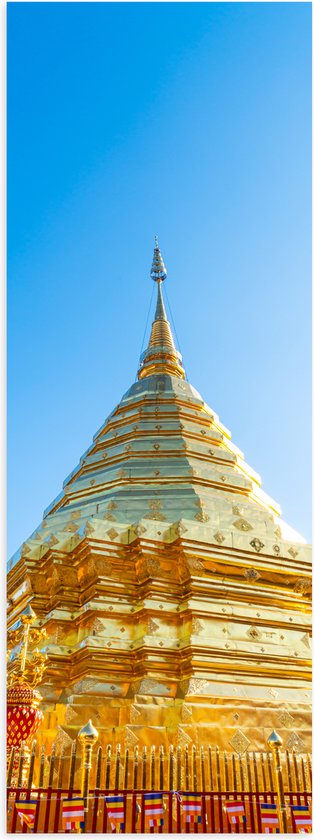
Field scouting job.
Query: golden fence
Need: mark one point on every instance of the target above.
(47, 779)
(181, 768)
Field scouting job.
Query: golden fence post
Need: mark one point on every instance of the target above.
(170, 767)
(21, 765)
(288, 765)
(249, 773)
(194, 770)
(186, 764)
(144, 775)
(31, 766)
(152, 767)
(303, 772)
(161, 768)
(41, 767)
(61, 769)
(117, 773)
(275, 742)
(135, 769)
(296, 771)
(309, 767)
(270, 772)
(218, 769)
(210, 768)
(10, 766)
(234, 770)
(203, 781)
(108, 765)
(178, 768)
(52, 765)
(72, 766)
(255, 771)
(226, 771)
(263, 772)
(241, 773)
(87, 737)
(126, 768)
(98, 768)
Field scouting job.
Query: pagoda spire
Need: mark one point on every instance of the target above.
(161, 355)
(158, 270)
(158, 273)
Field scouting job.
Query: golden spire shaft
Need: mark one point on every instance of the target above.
(161, 355)
(160, 314)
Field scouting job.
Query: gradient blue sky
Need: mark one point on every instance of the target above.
(191, 120)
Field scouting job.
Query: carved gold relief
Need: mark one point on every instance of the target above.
(180, 528)
(201, 516)
(183, 739)
(285, 719)
(70, 714)
(194, 564)
(219, 537)
(112, 533)
(135, 715)
(303, 585)
(239, 742)
(257, 544)
(251, 574)
(152, 625)
(62, 740)
(242, 525)
(294, 742)
(254, 633)
(131, 739)
(197, 625)
(153, 566)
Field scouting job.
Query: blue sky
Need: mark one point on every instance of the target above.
(193, 121)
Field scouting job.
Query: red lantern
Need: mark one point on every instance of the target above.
(23, 715)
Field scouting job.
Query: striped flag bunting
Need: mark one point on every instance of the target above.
(269, 818)
(153, 810)
(302, 819)
(72, 814)
(115, 809)
(191, 808)
(26, 809)
(235, 812)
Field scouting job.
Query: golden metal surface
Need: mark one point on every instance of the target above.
(175, 599)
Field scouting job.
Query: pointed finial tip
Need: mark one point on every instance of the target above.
(274, 740)
(158, 270)
(88, 732)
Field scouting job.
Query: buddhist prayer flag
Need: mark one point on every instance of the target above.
(153, 810)
(269, 818)
(191, 808)
(26, 809)
(302, 819)
(235, 812)
(72, 814)
(115, 809)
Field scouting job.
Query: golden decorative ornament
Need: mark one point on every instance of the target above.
(239, 742)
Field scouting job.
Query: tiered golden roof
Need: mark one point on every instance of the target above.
(174, 597)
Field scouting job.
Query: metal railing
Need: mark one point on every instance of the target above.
(217, 776)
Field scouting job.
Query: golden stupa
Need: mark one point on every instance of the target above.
(174, 598)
